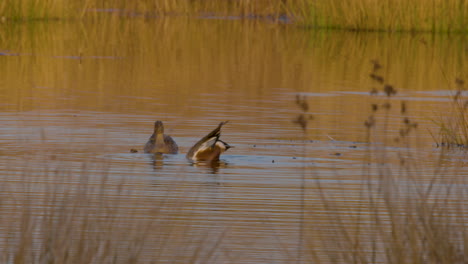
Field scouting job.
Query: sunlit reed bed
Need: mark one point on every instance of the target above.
(388, 15)
(50, 9)
(359, 15)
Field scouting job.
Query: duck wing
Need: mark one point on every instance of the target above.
(171, 145)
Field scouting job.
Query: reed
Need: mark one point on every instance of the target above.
(453, 127)
(50, 9)
(402, 211)
(37, 9)
(396, 220)
(389, 15)
(57, 216)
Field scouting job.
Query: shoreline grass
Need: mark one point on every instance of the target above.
(389, 15)
(354, 15)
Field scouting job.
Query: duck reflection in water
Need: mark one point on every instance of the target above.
(211, 167)
(157, 160)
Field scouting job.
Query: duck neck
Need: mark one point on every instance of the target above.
(159, 138)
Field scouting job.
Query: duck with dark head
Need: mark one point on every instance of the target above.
(159, 142)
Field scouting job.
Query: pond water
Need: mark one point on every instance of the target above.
(76, 97)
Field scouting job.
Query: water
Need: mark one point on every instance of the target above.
(75, 98)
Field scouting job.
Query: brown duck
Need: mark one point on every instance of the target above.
(159, 142)
(210, 147)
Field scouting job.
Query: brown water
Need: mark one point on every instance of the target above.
(76, 97)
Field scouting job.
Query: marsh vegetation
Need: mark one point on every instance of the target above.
(356, 15)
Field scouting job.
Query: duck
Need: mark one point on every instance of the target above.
(159, 142)
(209, 148)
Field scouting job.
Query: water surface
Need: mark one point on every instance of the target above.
(76, 97)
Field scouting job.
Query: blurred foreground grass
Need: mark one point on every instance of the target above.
(55, 216)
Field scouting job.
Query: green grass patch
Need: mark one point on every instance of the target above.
(388, 15)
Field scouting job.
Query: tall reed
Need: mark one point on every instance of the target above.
(453, 127)
(403, 212)
(49, 9)
(57, 216)
(37, 9)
